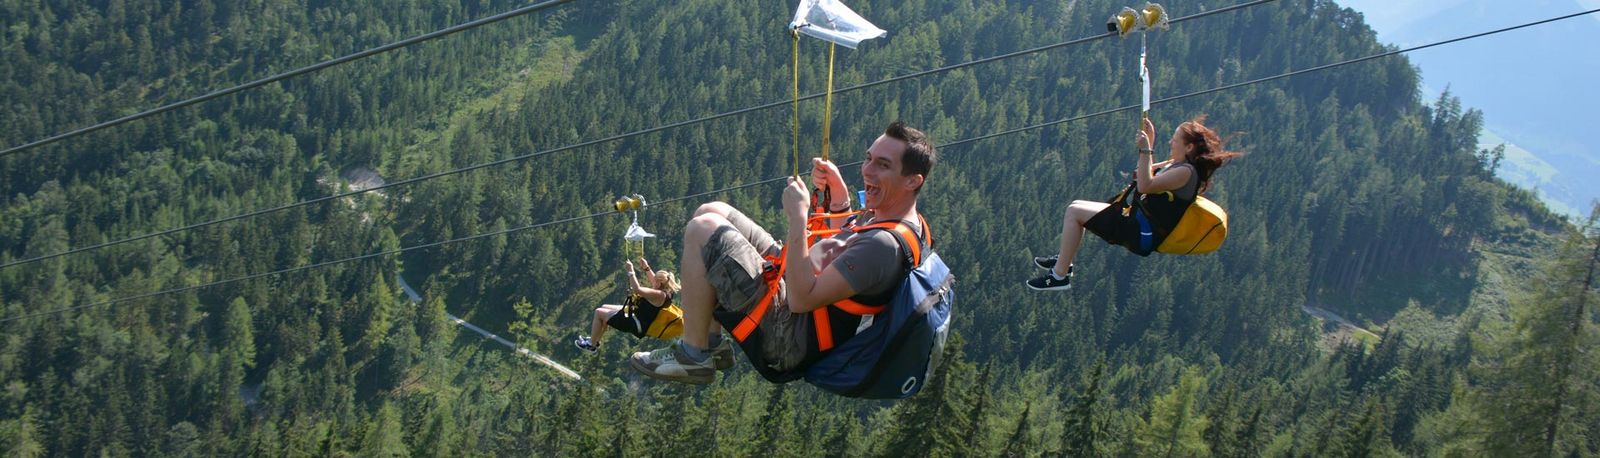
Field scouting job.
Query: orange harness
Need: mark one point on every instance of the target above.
(824, 328)
(817, 224)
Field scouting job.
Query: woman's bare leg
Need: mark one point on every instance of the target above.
(1072, 223)
(601, 314)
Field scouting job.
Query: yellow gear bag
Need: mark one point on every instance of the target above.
(1202, 229)
(668, 323)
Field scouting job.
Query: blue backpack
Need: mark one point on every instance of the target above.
(895, 351)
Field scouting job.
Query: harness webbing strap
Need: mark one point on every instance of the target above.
(1146, 236)
(912, 242)
(824, 327)
(773, 276)
(817, 224)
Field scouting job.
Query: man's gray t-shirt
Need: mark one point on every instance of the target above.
(873, 262)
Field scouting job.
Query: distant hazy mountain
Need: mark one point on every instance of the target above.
(1561, 192)
(1531, 83)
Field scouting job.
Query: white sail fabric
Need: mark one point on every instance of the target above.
(636, 233)
(831, 21)
(1144, 80)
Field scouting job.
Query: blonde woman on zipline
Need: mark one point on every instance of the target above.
(650, 309)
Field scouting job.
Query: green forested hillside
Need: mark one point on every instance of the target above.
(1355, 196)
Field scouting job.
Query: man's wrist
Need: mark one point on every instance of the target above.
(796, 226)
(795, 236)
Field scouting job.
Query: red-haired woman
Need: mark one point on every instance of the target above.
(1196, 153)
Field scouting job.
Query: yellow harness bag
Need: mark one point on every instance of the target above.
(668, 324)
(1172, 225)
(1202, 229)
(642, 319)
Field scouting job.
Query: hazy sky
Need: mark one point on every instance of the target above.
(1536, 86)
(1531, 83)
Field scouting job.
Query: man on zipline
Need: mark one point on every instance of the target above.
(730, 264)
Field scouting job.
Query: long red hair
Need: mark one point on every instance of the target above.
(1208, 154)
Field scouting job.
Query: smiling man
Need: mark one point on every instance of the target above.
(730, 265)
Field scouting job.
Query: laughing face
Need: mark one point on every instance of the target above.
(885, 185)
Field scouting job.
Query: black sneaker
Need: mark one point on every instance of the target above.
(1046, 263)
(587, 344)
(1050, 263)
(1048, 282)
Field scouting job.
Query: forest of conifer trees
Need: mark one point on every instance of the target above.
(1355, 196)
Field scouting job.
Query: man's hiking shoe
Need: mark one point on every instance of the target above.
(1048, 282)
(722, 357)
(587, 344)
(672, 364)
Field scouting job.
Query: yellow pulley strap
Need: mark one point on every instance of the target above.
(827, 113)
(632, 249)
(796, 35)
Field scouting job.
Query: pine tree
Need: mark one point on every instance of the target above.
(1367, 436)
(1248, 438)
(183, 439)
(330, 445)
(1545, 369)
(1223, 432)
(843, 431)
(1084, 434)
(1018, 445)
(238, 340)
(384, 434)
(20, 436)
(1174, 428)
(433, 328)
(975, 433)
(439, 433)
(777, 421)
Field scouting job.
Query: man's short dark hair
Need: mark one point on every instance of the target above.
(920, 155)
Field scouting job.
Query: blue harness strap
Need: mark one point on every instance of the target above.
(1146, 236)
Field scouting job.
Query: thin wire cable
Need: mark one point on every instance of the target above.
(770, 180)
(1279, 76)
(286, 75)
(607, 140)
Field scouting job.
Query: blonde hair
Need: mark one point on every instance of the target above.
(668, 281)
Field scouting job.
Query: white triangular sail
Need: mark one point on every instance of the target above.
(832, 21)
(636, 233)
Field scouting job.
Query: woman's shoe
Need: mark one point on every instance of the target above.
(587, 344)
